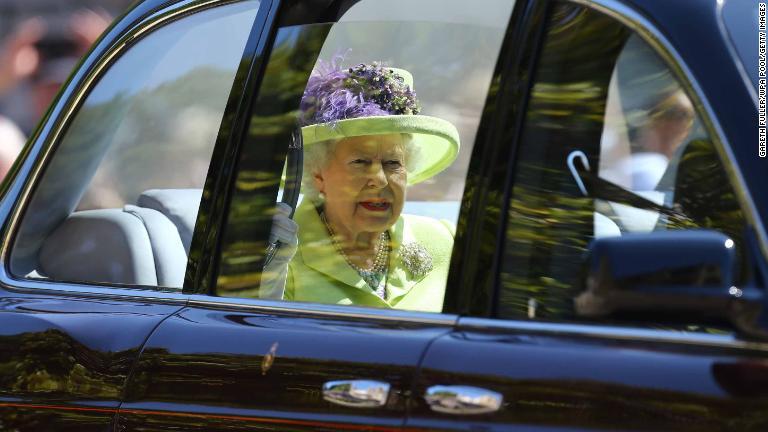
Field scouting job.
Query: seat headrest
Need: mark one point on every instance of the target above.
(178, 205)
(106, 245)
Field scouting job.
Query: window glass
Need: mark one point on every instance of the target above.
(612, 147)
(387, 102)
(741, 21)
(118, 202)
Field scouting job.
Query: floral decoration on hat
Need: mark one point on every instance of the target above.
(334, 93)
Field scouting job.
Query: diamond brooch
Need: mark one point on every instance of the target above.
(416, 259)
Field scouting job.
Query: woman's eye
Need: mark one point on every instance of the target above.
(393, 163)
(360, 161)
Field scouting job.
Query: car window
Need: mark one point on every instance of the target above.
(384, 104)
(118, 201)
(742, 23)
(613, 148)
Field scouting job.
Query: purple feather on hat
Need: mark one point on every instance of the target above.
(334, 93)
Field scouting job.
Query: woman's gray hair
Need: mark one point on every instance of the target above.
(317, 156)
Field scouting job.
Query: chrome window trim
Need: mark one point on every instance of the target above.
(323, 310)
(615, 333)
(173, 296)
(67, 107)
(648, 32)
(92, 291)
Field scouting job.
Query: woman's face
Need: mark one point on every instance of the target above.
(364, 183)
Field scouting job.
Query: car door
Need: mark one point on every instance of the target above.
(87, 274)
(617, 146)
(233, 361)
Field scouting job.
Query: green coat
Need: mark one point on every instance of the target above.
(318, 273)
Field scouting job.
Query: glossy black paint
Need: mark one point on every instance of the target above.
(267, 368)
(65, 359)
(628, 260)
(567, 382)
(686, 273)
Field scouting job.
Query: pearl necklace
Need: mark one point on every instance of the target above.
(374, 275)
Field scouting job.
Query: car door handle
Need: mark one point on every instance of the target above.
(462, 399)
(356, 393)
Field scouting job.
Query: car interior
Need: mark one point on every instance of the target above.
(627, 161)
(142, 244)
(147, 242)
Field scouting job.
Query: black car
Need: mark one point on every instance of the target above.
(610, 259)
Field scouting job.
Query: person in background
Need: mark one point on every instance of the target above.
(18, 61)
(36, 59)
(667, 125)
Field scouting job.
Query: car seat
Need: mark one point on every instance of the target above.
(145, 244)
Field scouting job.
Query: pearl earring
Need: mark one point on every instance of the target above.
(321, 196)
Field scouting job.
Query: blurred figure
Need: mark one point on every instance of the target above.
(35, 60)
(11, 142)
(668, 123)
(18, 61)
(18, 56)
(59, 54)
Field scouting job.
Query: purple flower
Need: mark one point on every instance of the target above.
(334, 93)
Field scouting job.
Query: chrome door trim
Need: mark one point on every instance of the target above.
(323, 310)
(605, 332)
(66, 106)
(646, 30)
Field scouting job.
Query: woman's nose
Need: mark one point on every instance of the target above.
(377, 176)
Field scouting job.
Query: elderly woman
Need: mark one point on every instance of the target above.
(364, 145)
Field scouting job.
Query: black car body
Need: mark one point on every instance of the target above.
(543, 327)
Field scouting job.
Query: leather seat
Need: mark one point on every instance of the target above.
(144, 245)
(180, 206)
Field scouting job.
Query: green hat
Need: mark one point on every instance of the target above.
(375, 100)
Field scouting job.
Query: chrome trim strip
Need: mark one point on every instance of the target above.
(56, 126)
(111, 292)
(598, 331)
(323, 310)
(624, 14)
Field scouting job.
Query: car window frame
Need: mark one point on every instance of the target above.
(485, 166)
(132, 27)
(649, 33)
(474, 273)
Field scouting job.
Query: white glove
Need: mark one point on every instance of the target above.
(285, 231)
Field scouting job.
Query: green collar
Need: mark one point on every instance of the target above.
(317, 251)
